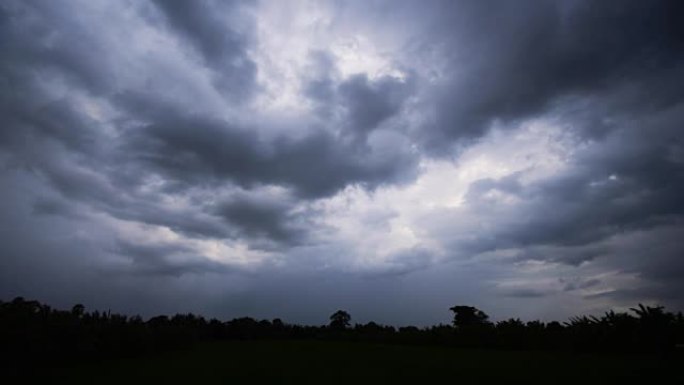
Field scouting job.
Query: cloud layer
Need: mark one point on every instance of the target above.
(290, 159)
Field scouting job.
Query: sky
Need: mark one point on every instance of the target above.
(390, 158)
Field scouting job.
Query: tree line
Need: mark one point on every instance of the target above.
(31, 332)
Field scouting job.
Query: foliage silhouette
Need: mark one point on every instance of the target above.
(340, 320)
(35, 334)
(468, 316)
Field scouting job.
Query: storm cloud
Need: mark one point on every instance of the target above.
(234, 157)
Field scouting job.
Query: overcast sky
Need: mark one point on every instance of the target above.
(391, 158)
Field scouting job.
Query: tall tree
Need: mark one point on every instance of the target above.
(340, 320)
(465, 316)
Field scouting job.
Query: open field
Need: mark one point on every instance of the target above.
(322, 362)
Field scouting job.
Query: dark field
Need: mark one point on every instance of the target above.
(324, 362)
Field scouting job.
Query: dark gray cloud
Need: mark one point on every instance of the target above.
(624, 182)
(162, 120)
(193, 149)
(263, 218)
(222, 46)
(525, 293)
(53, 137)
(655, 257)
(362, 104)
(578, 283)
(513, 60)
(320, 86)
(53, 29)
(172, 259)
(369, 103)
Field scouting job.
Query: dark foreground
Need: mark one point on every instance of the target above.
(329, 362)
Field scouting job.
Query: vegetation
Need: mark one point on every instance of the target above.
(33, 334)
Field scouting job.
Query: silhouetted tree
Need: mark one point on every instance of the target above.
(465, 316)
(471, 326)
(78, 310)
(656, 329)
(32, 333)
(340, 320)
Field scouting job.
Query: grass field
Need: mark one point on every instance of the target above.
(320, 362)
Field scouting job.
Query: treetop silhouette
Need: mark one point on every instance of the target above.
(340, 320)
(467, 316)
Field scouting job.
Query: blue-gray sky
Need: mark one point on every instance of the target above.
(391, 158)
